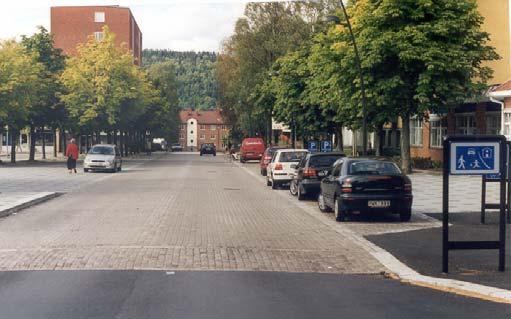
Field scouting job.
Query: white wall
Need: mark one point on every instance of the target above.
(191, 133)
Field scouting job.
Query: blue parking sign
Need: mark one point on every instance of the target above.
(326, 146)
(312, 146)
(475, 158)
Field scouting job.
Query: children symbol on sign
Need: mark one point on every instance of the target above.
(475, 164)
(461, 162)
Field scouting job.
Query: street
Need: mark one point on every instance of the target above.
(169, 222)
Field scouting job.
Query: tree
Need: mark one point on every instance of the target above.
(20, 87)
(49, 111)
(422, 56)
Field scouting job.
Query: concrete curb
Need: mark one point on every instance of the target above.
(32, 202)
(401, 271)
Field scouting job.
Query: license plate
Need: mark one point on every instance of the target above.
(378, 203)
(322, 173)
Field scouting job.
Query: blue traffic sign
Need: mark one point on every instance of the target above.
(474, 158)
(326, 146)
(312, 146)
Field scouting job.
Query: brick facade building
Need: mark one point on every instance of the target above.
(199, 127)
(72, 25)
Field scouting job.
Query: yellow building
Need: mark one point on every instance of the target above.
(497, 22)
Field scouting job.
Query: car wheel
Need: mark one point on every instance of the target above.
(85, 170)
(340, 215)
(115, 170)
(300, 194)
(293, 188)
(274, 184)
(268, 183)
(406, 215)
(242, 160)
(200, 154)
(119, 168)
(321, 204)
(214, 154)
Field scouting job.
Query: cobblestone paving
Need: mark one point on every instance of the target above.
(177, 212)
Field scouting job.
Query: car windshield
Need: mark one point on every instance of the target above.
(323, 160)
(102, 150)
(373, 168)
(287, 157)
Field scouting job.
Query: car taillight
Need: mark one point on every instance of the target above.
(408, 188)
(346, 186)
(267, 158)
(310, 172)
(278, 167)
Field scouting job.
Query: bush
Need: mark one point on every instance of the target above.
(425, 163)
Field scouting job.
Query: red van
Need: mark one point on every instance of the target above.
(252, 148)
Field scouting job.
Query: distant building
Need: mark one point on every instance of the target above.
(72, 25)
(199, 127)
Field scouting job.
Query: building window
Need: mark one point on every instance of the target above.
(99, 36)
(202, 137)
(212, 137)
(507, 124)
(183, 127)
(202, 127)
(493, 124)
(416, 132)
(466, 124)
(99, 17)
(212, 127)
(437, 133)
(181, 135)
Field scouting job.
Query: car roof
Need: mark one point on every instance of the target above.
(286, 150)
(327, 153)
(111, 145)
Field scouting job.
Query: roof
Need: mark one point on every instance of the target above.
(501, 91)
(202, 117)
(506, 86)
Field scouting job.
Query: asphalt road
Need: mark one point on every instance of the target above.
(224, 295)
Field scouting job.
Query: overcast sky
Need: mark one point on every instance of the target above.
(198, 25)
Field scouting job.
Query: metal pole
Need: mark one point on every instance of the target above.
(362, 82)
(503, 210)
(445, 210)
(483, 199)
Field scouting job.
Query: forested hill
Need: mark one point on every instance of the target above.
(196, 79)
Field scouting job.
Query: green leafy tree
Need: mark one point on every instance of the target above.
(20, 87)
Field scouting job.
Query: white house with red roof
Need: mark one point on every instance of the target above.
(199, 127)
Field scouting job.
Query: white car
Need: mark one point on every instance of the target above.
(282, 166)
(103, 157)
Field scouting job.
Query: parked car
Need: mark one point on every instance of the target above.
(265, 160)
(103, 157)
(176, 147)
(280, 170)
(252, 148)
(366, 185)
(310, 171)
(208, 148)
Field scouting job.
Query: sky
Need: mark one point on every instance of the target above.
(182, 25)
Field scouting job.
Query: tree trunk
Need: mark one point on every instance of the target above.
(378, 145)
(64, 142)
(31, 155)
(406, 162)
(54, 142)
(115, 136)
(14, 139)
(44, 143)
(339, 139)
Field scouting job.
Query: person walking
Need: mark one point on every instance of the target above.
(72, 155)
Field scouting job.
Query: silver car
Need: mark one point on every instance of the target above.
(103, 157)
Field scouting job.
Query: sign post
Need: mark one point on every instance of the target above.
(474, 155)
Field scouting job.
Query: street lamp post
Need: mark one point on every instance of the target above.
(360, 74)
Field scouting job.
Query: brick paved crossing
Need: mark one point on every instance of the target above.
(152, 218)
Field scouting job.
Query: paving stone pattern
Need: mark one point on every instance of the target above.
(177, 212)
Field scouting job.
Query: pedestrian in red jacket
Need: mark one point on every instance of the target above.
(72, 155)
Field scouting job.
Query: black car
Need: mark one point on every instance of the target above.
(176, 147)
(208, 148)
(366, 185)
(310, 171)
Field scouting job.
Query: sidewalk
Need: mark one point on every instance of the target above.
(13, 202)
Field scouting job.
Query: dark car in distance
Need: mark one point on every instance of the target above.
(208, 148)
(266, 159)
(359, 185)
(310, 171)
(176, 147)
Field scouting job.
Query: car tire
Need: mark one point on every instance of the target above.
(119, 168)
(274, 184)
(268, 183)
(322, 205)
(293, 187)
(200, 154)
(300, 195)
(85, 170)
(406, 215)
(214, 154)
(340, 215)
(242, 160)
